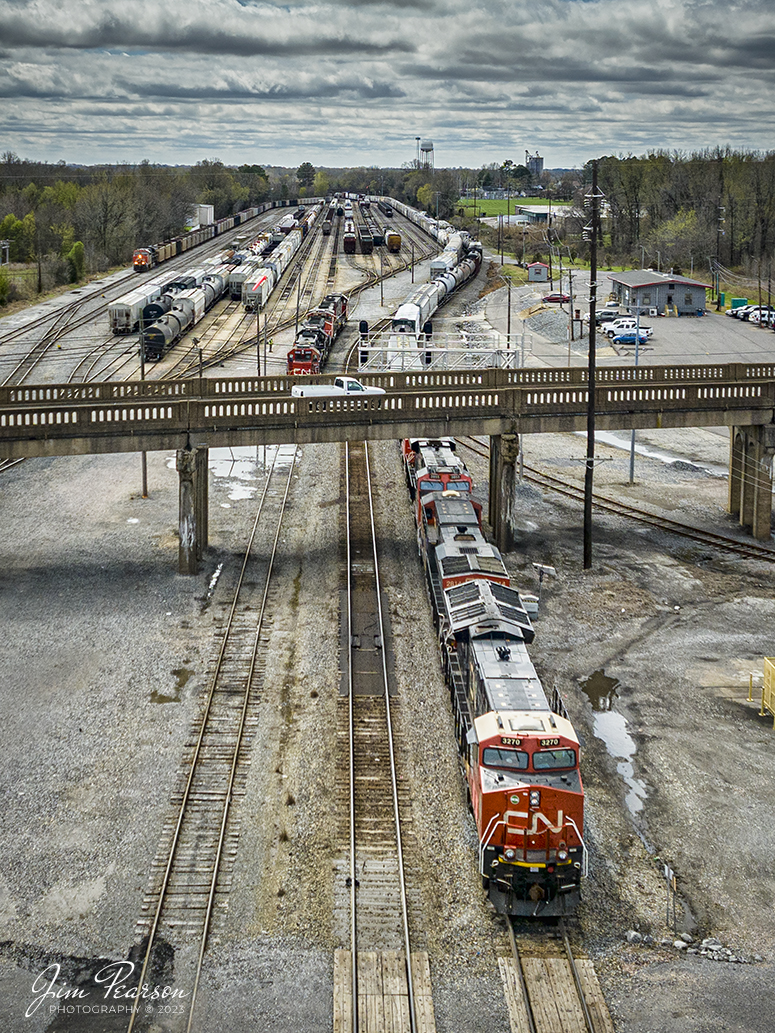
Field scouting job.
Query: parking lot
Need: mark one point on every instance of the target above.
(713, 337)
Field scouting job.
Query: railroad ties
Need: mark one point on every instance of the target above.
(548, 989)
(388, 989)
(383, 993)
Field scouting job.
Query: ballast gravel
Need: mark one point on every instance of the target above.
(106, 652)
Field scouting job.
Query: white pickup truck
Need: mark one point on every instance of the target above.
(624, 325)
(342, 387)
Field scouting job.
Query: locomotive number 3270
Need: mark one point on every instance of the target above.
(548, 742)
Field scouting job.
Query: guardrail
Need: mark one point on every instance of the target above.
(443, 402)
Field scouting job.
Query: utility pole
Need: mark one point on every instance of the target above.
(570, 324)
(508, 314)
(257, 341)
(590, 462)
(637, 347)
(143, 455)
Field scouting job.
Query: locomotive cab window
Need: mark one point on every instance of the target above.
(431, 486)
(459, 485)
(551, 760)
(516, 760)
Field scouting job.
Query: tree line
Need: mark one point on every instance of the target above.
(681, 210)
(709, 206)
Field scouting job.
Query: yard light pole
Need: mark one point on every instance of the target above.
(590, 460)
(637, 346)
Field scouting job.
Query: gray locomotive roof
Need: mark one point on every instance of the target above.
(453, 510)
(482, 609)
(510, 678)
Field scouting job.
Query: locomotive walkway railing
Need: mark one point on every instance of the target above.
(63, 419)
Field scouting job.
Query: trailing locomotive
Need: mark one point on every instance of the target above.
(519, 750)
(321, 327)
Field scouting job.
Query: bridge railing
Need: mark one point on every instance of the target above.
(224, 405)
(458, 380)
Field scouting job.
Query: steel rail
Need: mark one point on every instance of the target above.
(391, 751)
(240, 733)
(198, 749)
(521, 976)
(576, 978)
(351, 725)
(394, 779)
(750, 550)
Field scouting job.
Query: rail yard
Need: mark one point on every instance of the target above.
(181, 746)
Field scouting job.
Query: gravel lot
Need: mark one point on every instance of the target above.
(106, 651)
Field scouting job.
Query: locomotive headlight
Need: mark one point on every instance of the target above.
(535, 798)
(509, 853)
(562, 853)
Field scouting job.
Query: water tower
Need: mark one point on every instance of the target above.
(426, 154)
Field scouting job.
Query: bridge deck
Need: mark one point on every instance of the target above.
(130, 416)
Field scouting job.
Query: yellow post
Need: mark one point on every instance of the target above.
(768, 688)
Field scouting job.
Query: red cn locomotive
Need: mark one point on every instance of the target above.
(520, 752)
(317, 334)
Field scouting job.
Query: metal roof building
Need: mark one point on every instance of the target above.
(659, 293)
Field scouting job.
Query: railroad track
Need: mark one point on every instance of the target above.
(380, 970)
(549, 989)
(192, 872)
(748, 550)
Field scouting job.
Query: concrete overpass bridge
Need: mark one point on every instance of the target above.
(195, 414)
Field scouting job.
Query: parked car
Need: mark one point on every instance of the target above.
(620, 326)
(758, 314)
(556, 298)
(740, 311)
(605, 315)
(628, 337)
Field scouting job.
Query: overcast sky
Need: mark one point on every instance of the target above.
(353, 82)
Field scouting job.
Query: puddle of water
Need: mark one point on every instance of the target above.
(242, 465)
(623, 442)
(611, 728)
(182, 675)
(601, 690)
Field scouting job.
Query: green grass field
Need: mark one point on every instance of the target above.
(487, 208)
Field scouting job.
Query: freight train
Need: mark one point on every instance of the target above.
(187, 306)
(146, 258)
(321, 327)
(519, 751)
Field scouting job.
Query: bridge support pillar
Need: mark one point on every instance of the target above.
(750, 478)
(192, 507)
(504, 450)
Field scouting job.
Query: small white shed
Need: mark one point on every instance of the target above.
(537, 272)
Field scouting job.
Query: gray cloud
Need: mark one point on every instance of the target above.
(303, 81)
